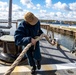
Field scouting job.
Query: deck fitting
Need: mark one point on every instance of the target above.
(7, 57)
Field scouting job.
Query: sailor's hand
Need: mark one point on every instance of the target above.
(33, 41)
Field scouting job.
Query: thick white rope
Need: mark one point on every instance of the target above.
(16, 62)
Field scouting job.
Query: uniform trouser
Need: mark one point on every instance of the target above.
(33, 55)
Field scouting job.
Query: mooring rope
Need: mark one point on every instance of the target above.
(16, 62)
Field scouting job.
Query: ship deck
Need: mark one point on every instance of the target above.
(56, 60)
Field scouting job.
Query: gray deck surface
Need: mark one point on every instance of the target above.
(55, 55)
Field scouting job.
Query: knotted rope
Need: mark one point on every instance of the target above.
(16, 62)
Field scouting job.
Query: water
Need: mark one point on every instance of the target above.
(65, 40)
(65, 25)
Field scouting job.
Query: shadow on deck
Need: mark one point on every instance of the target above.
(52, 55)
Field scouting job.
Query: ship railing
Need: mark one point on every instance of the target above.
(6, 26)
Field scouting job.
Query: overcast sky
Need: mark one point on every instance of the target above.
(43, 9)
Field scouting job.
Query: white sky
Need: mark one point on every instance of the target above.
(43, 9)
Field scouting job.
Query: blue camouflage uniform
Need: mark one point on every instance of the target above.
(23, 36)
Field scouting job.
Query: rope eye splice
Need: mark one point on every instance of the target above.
(53, 42)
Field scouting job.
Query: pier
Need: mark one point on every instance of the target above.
(59, 29)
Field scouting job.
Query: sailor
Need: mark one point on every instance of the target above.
(26, 33)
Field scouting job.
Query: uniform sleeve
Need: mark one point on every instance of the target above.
(20, 36)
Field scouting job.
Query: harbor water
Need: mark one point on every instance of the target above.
(65, 40)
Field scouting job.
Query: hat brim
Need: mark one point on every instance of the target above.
(34, 21)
